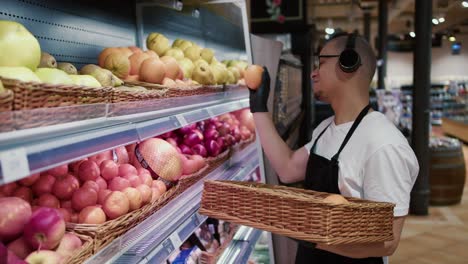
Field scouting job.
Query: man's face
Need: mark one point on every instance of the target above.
(324, 75)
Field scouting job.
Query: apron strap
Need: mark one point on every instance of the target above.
(312, 150)
(361, 115)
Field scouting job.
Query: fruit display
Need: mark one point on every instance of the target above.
(34, 234)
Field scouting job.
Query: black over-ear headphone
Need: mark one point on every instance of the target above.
(349, 58)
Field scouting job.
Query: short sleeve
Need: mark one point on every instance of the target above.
(389, 176)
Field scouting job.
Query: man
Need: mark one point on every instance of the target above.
(357, 152)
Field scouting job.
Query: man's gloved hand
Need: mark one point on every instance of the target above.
(259, 97)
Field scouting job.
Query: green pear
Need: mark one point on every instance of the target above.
(159, 44)
(192, 53)
(203, 75)
(234, 70)
(67, 67)
(53, 76)
(207, 54)
(177, 43)
(176, 53)
(115, 81)
(219, 74)
(151, 37)
(89, 68)
(187, 67)
(185, 44)
(201, 62)
(47, 61)
(231, 79)
(19, 73)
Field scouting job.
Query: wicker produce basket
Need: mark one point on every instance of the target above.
(214, 162)
(298, 213)
(128, 95)
(30, 95)
(6, 101)
(85, 251)
(179, 91)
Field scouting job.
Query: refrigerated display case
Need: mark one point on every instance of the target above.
(36, 140)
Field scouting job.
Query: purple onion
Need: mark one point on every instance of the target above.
(192, 139)
(199, 149)
(185, 149)
(213, 148)
(211, 134)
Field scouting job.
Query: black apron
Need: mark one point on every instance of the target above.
(322, 176)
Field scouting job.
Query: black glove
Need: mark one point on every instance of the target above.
(259, 97)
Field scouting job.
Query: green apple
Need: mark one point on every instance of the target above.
(176, 53)
(53, 76)
(18, 47)
(19, 73)
(207, 54)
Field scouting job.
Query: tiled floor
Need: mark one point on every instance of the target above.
(440, 238)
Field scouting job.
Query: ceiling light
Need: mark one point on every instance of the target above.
(412, 34)
(441, 20)
(435, 21)
(327, 37)
(329, 31)
(465, 4)
(452, 38)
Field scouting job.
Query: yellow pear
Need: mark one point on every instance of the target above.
(19, 73)
(67, 67)
(175, 53)
(187, 67)
(207, 54)
(231, 79)
(201, 62)
(235, 71)
(159, 44)
(53, 76)
(185, 44)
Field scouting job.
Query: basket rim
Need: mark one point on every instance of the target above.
(306, 195)
(49, 86)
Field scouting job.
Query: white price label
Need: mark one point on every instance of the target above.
(210, 112)
(14, 164)
(181, 120)
(175, 239)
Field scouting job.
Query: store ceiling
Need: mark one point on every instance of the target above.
(348, 15)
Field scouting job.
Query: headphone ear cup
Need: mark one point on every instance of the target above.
(349, 60)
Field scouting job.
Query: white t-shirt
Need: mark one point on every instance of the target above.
(377, 163)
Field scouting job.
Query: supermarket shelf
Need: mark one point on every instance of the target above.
(38, 149)
(158, 236)
(242, 246)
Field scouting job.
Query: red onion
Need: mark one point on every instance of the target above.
(185, 149)
(193, 138)
(45, 229)
(199, 150)
(213, 148)
(210, 127)
(213, 120)
(236, 133)
(187, 129)
(224, 129)
(221, 143)
(211, 134)
(229, 140)
(167, 135)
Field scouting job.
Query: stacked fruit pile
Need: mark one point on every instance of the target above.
(37, 235)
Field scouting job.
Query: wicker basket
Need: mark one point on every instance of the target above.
(30, 95)
(85, 251)
(179, 91)
(298, 213)
(127, 95)
(214, 162)
(6, 101)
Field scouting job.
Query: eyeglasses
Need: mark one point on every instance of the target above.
(318, 57)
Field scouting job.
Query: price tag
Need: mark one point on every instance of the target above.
(175, 239)
(210, 112)
(181, 120)
(14, 164)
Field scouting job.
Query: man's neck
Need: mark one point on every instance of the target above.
(347, 109)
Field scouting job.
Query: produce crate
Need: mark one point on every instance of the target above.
(298, 213)
(31, 95)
